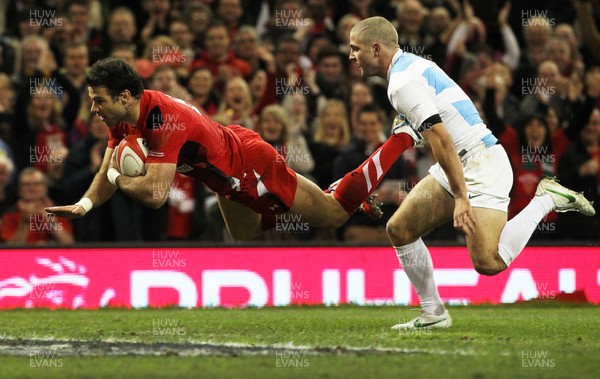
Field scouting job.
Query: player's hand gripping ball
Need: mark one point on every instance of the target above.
(132, 152)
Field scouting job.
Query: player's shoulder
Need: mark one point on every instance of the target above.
(166, 113)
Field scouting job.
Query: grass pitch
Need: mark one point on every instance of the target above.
(550, 340)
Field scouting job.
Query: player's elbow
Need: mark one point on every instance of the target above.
(155, 201)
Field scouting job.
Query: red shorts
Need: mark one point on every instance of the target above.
(268, 185)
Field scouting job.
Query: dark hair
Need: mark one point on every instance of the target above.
(329, 51)
(214, 24)
(162, 68)
(285, 39)
(199, 68)
(526, 120)
(117, 76)
(82, 3)
(371, 108)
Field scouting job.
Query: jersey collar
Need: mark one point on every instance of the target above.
(394, 59)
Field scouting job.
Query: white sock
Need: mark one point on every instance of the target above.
(518, 230)
(416, 261)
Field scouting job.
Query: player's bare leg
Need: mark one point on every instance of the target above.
(426, 207)
(241, 222)
(500, 242)
(314, 206)
(319, 209)
(483, 244)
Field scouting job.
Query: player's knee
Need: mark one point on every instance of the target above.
(338, 219)
(333, 221)
(398, 233)
(488, 268)
(333, 215)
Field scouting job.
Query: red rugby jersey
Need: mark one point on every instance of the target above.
(177, 132)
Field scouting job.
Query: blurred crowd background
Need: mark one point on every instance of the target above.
(281, 68)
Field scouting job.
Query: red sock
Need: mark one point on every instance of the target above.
(358, 184)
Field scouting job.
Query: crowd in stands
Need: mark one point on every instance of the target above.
(281, 68)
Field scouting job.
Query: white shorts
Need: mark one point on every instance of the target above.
(488, 175)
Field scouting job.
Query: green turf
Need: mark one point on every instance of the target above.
(485, 342)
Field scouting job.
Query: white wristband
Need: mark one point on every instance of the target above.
(86, 204)
(112, 175)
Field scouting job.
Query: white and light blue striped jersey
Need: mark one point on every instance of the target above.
(419, 89)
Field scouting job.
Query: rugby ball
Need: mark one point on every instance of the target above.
(132, 152)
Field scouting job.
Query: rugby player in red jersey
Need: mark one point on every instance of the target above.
(252, 181)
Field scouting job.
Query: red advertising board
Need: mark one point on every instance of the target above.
(259, 276)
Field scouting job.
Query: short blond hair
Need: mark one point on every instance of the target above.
(376, 29)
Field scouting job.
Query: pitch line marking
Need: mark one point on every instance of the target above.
(23, 347)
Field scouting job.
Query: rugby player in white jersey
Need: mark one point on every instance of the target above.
(469, 184)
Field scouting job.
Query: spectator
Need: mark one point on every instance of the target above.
(289, 68)
(331, 137)
(230, 12)
(185, 218)
(28, 223)
(200, 86)
(532, 161)
(329, 79)
(360, 95)
(590, 36)
(297, 110)
(316, 44)
(361, 228)
(121, 30)
(320, 14)
(497, 78)
(219, 58)
(440, 26)
(51, 104)
(165, 80)
(156, 19)
(8, 196)
(273, 127)
(236, 106)
(76, 65)
(181, 34)
(579, 168)
(565, 32)
(536, 33)
(124, 53)
(411, 36)
(31, 50)
(78, 12)
(544, 89)
(559, 51)
(38, 134)
(199, 18)
(361, 8)
(287, 21)
(161, 50)
(263, 88)
(7, 98)
(119, 219)
(248, 47)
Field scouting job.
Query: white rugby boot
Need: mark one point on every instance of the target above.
(564, 199)
(427, 321)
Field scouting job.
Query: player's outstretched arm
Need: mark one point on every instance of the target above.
(152, 189)
(446, 155)
(100, 191)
